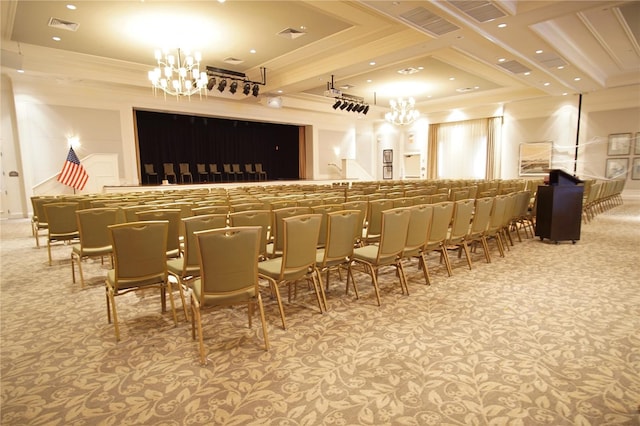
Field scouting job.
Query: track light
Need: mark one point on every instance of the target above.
(366, 110)
(256, 90)
(211, 84)
(233, 87)
(222, 85)
(350, 106)
(246, 88)
(337, 104)
(344, 105)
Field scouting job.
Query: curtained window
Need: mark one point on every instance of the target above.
(464, 149)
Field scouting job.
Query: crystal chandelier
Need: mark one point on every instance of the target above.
(178, 75)
(402, 111)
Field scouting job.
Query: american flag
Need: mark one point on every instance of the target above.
(73, 174)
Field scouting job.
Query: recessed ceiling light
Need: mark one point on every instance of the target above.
(21, 71)
(279, 91)
(369, 81)
(547, 84)
(372, 63)
(252, 51)
(502, 25)
(565, 94)
(539, 51)
(71, 7)
(420, 68)
(561, 67)
(56, 38)
(501, 60)
(527, 73)
(451, 78)
(577, 79)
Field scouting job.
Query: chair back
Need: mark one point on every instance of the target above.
(229, 261)
(149, 169)
(61, 219)
(299, 247)
(220, 209)
(257, 205)
(38, 208)
(172, 216)
(481, 216)
(277, 228)
(248, 167)
(323, 210)
(442, 213)
(395, 225)
(361, 206)
(93, 226)
(227, 168)
(339, 235)
(202, 169)
(418, 231)
(439, 198)
(374, 217)
(421, 199)
(168, 169)
(497, 214)
(461, 222)
(402, 202)
(260, 218)
(236, 168)
(213, 168)
(196, 224)
(184, 168)
(139, 252)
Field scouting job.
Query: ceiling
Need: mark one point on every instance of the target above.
(445, 54)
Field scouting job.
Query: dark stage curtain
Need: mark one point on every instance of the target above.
(176, 138)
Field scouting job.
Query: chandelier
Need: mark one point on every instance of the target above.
(179, 74)
(402, 111)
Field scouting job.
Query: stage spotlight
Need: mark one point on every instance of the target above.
(337, 104)
(246, 88)
(344, 105)
(350, 107)
(256, 90)
(366, 110)
(222, 85)
(211, 84)
(361, 108)
(233, 87)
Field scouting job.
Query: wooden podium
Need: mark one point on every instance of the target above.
(559, 207)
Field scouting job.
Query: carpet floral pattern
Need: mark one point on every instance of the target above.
(547, 335)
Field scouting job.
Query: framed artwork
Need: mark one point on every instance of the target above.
(387, 156)
(535, 158)
(619, 144)
(636, 150)
(635, 169)
(616, 168)
(387, 172)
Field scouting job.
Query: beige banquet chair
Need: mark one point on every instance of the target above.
(185, 172)
(393, 235)
(417, 234)
(201, 168)
(460, 224)
(229, 276)
(438, 232)
(187, 267)
(94, 237)
(62, 225)
(169, 172)
(298, 260)
(140, 262)
(262, 175)
(340, 239)
(479, 225)
(149, 171)
(213, 171)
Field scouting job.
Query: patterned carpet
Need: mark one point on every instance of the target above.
(548, 335)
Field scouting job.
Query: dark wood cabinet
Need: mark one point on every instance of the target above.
(559, 208)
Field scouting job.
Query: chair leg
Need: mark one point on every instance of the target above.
(466, 253)
(49, 250)
(112, 299)
(173, 306)
(264, 322)
(447, 262)
(279, 300)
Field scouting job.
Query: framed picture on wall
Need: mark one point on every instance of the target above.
(636, 150)
(635, 169)
(387, 172)
(535, 158)
(387, 156)
(619, 144)
(616, 168)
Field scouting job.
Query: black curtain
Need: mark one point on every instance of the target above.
(176, 138)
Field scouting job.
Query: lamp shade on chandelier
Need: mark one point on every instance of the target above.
(178, 74)
(402, 112)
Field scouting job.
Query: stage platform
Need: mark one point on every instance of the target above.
(216, 185)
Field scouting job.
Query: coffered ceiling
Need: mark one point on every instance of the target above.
(445, 54)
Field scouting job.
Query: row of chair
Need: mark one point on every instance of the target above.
(252, 172)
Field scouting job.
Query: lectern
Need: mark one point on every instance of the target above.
(559, 207)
